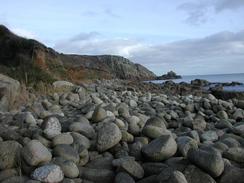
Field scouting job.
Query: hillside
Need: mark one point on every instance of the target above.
(30, 61)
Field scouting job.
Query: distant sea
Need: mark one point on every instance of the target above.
(216, 78)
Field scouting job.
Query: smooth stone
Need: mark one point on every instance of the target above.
(160, 149)
(235, 154)
(133, 168)
(7, 173)
(63, 138)
(108, 136)
(208, 159)
(185, 143)
(97, 175)
(51, 127)
(80, 140)
(48, 173)
(171, 176)
(122, 177)
(83, 128)
(68, 167)
(196, 175)
(209, 136)
(35, 153)
(99, 114)
(67, 152)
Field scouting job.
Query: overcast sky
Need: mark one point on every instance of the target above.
(189, 37)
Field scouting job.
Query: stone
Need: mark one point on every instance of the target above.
(99, 114)
(16, 179)
(35, 153)
(160, 148)
(171, 176)
(222, 115)
(66, 152)
(68, 167)
(133, 168)
(51, 127)
(196, 175)
(63, 138)
(108, 136)
(9, 154)
(122, 177)
(207, 159)
(80, 140)
(97, 175)
(209, 136)
(185, 143)
(199, 123)
(83, 128)
(48, 173)
(154, 168)
(63, 85)
(232, 174)
(235, 154)
(29, 119)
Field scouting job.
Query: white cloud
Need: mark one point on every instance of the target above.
(199, 11)
(212, 54)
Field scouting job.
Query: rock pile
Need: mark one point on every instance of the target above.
(111, 134)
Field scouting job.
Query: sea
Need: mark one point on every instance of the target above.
(215, 78)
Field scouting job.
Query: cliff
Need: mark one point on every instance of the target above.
(30, 61)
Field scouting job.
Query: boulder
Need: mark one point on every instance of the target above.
(48, 173)
(108, 136)
(160, 148)
(207, 159)
(35, 153)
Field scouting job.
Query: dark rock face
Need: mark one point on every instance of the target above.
(33, 61)
(169, 75)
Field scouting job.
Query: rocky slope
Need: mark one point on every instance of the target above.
(106, 132)
(32, 61)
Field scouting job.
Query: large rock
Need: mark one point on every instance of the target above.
(48, 173)
(9, 91)
(108, 136)
(35, 153)
(207, 159)
(9, 154)
(66, 152)
(160, 149)
(196, 175)
(99, 114)
(235, 154)
(51, 127)
(171, 176)
(232, 174)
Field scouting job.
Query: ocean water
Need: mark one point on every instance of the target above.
(217, 78)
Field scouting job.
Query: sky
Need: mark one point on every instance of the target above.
(191, 37)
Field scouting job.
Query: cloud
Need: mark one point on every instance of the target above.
(198, 12)
(107, 12)
(219, 53)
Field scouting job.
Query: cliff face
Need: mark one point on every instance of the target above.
(31, 61)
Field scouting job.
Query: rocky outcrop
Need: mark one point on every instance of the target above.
(32, 61)
(169, 75)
